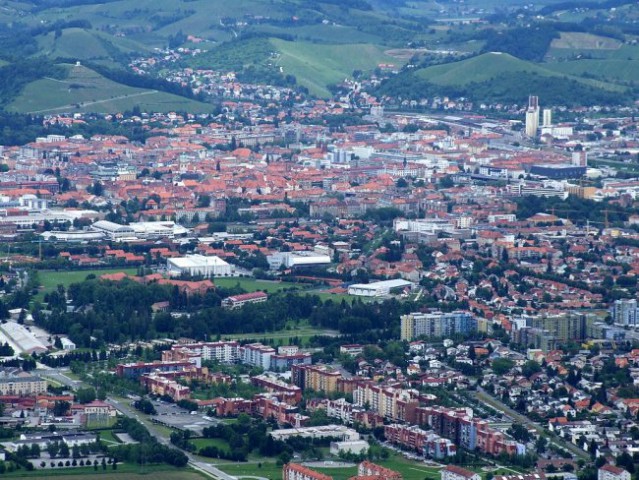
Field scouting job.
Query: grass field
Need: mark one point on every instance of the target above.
(211, 442)
(49, 279)
(124, 472)
(580, 40)
(410, 470)
(302, 331)
(252, 285)
(267, 469)
(86, 91)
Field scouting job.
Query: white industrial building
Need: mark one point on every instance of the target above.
(112, 230)
(296, 260)
(353, 446)
(378, 289)
(198, 265)
(158, 229)
(135, 230)
(342, 432)
(73, 236)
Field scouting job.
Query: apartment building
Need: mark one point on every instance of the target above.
(222, 352)
(238, 301)
(425, 443)
(17, 385)
(292, 394)
(395, 404)
(370, 469)
(136, 370)
(294, 471)
(610, 472)
(436, 324)
(257, 355)
(453, 472)
(319, 378)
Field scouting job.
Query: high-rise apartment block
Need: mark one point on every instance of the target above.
(436, 324)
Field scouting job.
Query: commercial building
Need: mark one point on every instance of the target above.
(378, 289)
(436, 324)
(198, 265)
(558, 172)
(113, 231)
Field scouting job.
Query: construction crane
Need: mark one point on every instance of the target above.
(605, 223)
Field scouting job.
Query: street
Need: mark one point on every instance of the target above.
(481, 395)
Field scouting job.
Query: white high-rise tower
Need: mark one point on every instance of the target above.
(532, 116)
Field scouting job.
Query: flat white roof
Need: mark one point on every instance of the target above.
(194, 261)
(395, 283)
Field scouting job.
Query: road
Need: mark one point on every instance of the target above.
(497, 404)
(203, 467)
(95, 102)
(122, 406)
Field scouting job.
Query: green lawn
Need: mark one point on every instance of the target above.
(409, 469)
(302, 331)
(211, 442)
(267, 469)
(124, 472)
(253, 285)
(109, 437)
(49, 279)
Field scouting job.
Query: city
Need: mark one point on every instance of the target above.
(361, 276)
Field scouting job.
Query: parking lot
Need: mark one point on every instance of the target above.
(172, 416)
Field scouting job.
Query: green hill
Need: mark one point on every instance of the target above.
(489, 67)
(498, 77)
(315, 65)
(83, 90)
(85, 44)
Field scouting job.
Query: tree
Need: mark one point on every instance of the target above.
(446, 182)
(64, 449)
(53, 449)
(502, 366)
(530, 368)
(85, 395)
(96, 189)
(60, 408)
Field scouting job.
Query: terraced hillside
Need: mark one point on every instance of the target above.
(83, 90)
